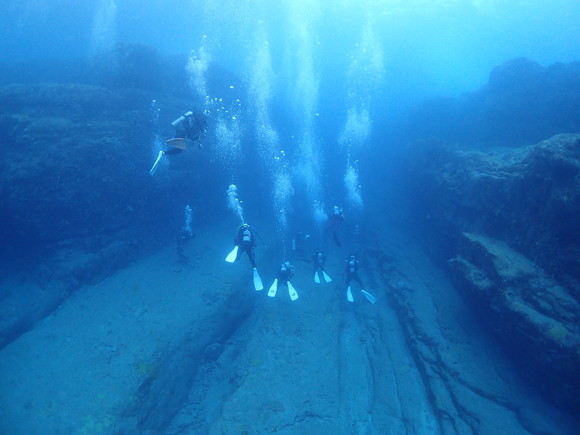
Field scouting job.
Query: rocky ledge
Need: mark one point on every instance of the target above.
(505, 226)
(531, 312)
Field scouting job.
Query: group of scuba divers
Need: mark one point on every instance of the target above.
(245, 242)
(192, 126)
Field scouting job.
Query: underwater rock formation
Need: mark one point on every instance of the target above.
(76, 162)
(76, 198)
(521, 104)
(530, 311)
(507, 224)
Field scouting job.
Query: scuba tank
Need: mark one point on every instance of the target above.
(352, 265)
(181, 119)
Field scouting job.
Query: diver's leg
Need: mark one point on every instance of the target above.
(252, 256)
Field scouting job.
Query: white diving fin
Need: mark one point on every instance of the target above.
(292, 292)
(326, 277)
(349, 295)
(370, 297)
(316, 278)
(232, 255)
(273, 288)
(154, 167)
(257, 281)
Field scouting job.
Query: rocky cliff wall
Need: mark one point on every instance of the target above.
(75, 162)
(76, 198)
(505, 227)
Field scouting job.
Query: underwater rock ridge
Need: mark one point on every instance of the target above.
(507, 226)
(70, 149)
(521, 104)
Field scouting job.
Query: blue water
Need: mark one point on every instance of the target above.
(309, 104)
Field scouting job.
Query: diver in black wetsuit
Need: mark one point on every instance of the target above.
(183, 238)
(285, 273)
(245, 241)
(283, 277)
(190, 126)
(334, 221)
(351, 271)
(351, 274)
(319, 260)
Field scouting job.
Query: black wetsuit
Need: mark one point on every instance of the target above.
(333, 225)
(319, 259)
(351, 272)
(245, 242)
(183, 238)
(193, 127)
(284, 275)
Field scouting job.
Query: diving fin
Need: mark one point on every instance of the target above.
(316, 278)
(292, 291)
(257, 281)
(232, 255)
(370, 297)
(177, 142)
(273, 288)
(326, 277)
(349, 295)
(154, 167)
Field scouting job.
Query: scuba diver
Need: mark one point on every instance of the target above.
(283, 277)
(298, 242)
(189, 126)
(351, 273)
(185, 234)
(245, 242)
(334, 221)
(319, 259)
(183, 238)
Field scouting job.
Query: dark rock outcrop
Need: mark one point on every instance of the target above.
(529, 198)
(507, 224)
(76, 163)
(76, 198)
(531, 312)
(521, 104)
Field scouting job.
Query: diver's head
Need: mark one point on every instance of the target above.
(352, 257)
(245, 225)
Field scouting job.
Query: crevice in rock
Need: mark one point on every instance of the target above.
(184, 362)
